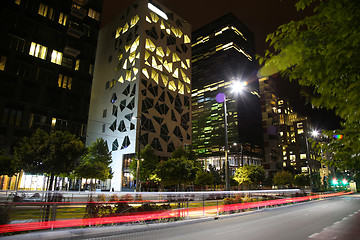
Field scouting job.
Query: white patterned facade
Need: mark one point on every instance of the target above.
(141, 91)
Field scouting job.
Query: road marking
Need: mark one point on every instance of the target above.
(324, 229)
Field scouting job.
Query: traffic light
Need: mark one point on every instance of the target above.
(335, 181)
(344, 181)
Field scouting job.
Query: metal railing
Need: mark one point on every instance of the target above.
(29, 210)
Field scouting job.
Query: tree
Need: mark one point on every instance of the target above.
(302, 180)
(95, 164)
(8, 164)
(147, 165)
(216, 174)
(322, 52)
(283, 178)
(176, 171)
(54, 154)
(250, 175)
(204, 178)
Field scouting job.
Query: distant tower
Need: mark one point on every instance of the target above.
(271, 121)
(223, 52)
(285, 133)
(141, 88)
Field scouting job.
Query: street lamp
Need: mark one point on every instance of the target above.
(314, 133)
(221, 98)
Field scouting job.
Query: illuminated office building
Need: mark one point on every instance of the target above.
(223, 52)
(141, 89)
(270, 122)
(47, 54)
(285, 133)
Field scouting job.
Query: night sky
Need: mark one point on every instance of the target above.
(262, 17)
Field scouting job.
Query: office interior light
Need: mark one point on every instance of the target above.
(157, 11)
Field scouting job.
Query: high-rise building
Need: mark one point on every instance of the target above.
(141, 89)
(223, 53)
(47, 55)
(286, 134)
(270, 121)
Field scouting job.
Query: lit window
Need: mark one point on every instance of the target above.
(183, 65)
(303, 156)
(177, 32)
(176, 73)
(175, 57)
(172, 86)
(64, 82)
(150, 45)
(56, 57)
(134, 21)
(43, 9)
(62, 19)
(145, 72)
(2, 63)
(17, 2)
(135, 45)
(300, 131)
(160, 52)
(186, 39)
(94, 14)
(154, 17)
(91, 69)
(128, 75)
(38, 50)
(168, 66)
(148, 19)
(77, 64)
(132, 57)
(118, 32)
(125, 28)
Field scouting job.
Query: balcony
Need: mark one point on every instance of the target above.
(75, 30)
(81, 2)
(78, 11)
(71, 51)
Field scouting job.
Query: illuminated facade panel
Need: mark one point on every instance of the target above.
(143, 57)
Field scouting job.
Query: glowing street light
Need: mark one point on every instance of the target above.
(238, 87)
(315, 133)
(221, 98)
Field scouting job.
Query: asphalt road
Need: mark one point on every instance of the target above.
(290, 223)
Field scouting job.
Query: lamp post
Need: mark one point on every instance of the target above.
(313, 133)
(221, 98)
